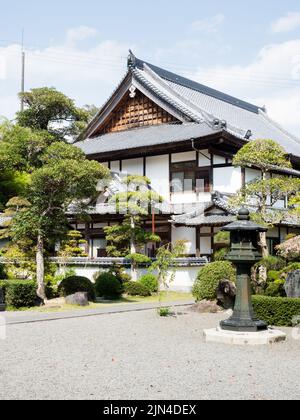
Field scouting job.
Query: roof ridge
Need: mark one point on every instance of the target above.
(207, 117)
(193, 85)
(279, 126)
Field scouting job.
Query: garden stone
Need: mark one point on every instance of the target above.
(292, 284)
(226, 294)
(206, 307)
(79, 299)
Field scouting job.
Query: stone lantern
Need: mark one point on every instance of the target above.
(244, 253)
(243, 328)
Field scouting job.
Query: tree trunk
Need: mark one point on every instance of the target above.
(264, 245)
(40, 268)
(133, 250)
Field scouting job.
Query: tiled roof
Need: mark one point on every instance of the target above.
(144, 137)
(211, 104)
(203, 217)
(191, 102)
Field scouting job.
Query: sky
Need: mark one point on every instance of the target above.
(248, 49)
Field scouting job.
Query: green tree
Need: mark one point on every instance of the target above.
(166, 264)
(135, 203)
(53, 189)
(72, 246)
(47, 109)
(21, 148)
(263, 193)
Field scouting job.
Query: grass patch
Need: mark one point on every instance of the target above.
(125, 300)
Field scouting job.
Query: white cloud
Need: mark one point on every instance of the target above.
(208, 25)
(272, 79)
(80, 33)
(86, 75)
(287, 23)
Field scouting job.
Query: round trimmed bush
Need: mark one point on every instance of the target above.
(108, 286)
(209, 278)
(19, 293)
(151, 282)
(136, 289)
(74, 284)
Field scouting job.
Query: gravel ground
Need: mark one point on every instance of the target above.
(141, 356)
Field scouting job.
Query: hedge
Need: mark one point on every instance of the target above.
(136, 289)
(209, 278)
(279, 312)
(19, 293)
(108, 286)
(151, 282)
(71, 285)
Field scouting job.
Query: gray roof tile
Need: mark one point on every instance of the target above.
(144, 137)
(195, 102)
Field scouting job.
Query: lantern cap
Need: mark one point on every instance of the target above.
(244, 223)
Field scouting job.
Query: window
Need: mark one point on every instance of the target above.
(183, 182)
(187, 178)
(203, 181)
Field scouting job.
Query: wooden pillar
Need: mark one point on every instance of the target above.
(198, 242)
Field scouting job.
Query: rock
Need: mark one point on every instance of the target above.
(292, 284)
(206, 307)
(80, 299)
(226, 294)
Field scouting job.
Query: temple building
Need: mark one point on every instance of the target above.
(183, 136)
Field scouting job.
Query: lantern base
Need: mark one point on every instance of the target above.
(262, 338)
(243, 325)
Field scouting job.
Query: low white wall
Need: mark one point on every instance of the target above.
(184, 279)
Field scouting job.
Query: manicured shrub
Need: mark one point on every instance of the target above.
(19, 293)
(71, 285)
(276, 289)
(136, 289)
(279, 312)
(221, 254)
(209, 278)
(273, 275)
(291, 267)
(151, 282)
(108, 286)
(272, 263)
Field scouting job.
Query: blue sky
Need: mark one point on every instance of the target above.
(250, 49)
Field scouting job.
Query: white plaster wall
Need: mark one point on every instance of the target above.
(252, 174)
(187, 234)
(183, 157)
(219, 160)
(98, 244)
(227, 180)
(157, 169)
(133, 166)
(115, 166)
(187, 198)
(204, 160)
(184, 279)
(205, 246)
